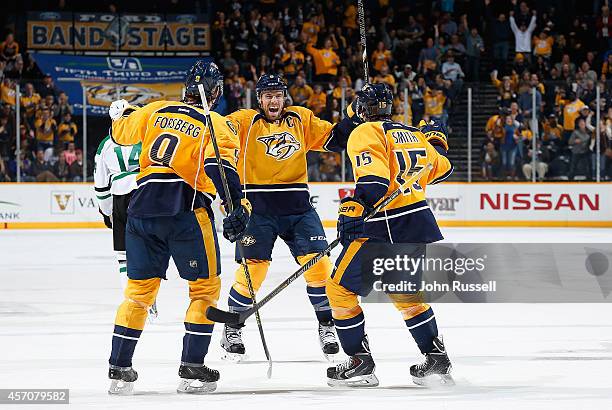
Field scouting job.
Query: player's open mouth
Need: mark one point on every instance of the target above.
(273, 109)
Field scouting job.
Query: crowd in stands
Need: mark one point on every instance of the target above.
(46, 128)
(425, 51)
(426, 57)
(564, 67)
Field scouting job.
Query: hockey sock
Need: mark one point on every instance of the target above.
(350, 332)
(424, 330)
(320, 303)
(237, 302)
(124, 343)
(195, 343)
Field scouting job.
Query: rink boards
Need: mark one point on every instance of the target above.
(73, 205)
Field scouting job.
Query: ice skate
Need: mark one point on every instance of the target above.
(231, 342)
(436, 369)
(197, 379)
(122, 380)
(153, 314)
(356, 371)
(328, 341)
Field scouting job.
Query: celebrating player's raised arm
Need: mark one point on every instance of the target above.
(128, 129)
(435, 132)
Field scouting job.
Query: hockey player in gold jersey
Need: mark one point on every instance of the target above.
(170, 215)
(384, 154)
(274, 141)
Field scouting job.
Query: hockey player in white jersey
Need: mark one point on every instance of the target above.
(116, 167)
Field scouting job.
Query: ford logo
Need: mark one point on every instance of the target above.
(186, 18)
(49, 15)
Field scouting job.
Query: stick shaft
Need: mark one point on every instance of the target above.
(230, 208)
(415, 177)
(362, 33)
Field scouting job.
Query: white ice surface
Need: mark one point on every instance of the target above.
(59, 291)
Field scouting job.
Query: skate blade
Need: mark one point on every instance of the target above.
(195, 386)
(121, 388)
(368, 380)
(435, 380)
(234, 357)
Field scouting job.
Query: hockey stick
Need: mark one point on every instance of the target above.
(230, 209)
(223, 316)
(362, 33)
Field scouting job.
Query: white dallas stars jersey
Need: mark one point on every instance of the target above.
(116, 167)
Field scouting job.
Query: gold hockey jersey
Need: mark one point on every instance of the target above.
(272, 161)
(177, 159)
(384, 154)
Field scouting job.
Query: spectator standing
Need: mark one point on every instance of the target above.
(509, 147)
(451, 70)
(30, 101)
(571, 112)
(522, 35)
(405, 77)
(579, 144)
(604, 28)
(45, 130)
(293, 61)
(381, 57)
(63, 106)
(67, 129)
(501, 35)
(9, 48)
(434, 104)
(326, 61)
(543, 45)
(48, 88)
(475, 46)
(428, 57)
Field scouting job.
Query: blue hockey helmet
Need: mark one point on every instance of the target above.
(270, 82)
(208, 74)
(374, 102)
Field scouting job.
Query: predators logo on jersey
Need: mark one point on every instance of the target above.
(280, 146)
(272, 163)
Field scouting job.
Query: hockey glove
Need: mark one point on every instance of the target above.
(235, 223)
(351, 223)
(120, 108)
(108, 221)
(435, 132)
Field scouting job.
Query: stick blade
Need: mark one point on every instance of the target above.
(222, 316)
